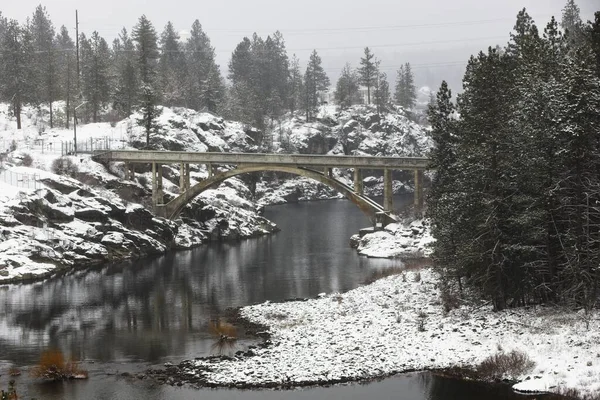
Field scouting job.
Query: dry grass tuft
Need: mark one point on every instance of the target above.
(14, 371)
(502, 365)
(11, 393)
(226, 335)
(53, 367)
(221, 328)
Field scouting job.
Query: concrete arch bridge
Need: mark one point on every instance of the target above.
(317, 167)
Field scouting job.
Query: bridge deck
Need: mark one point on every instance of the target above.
(301, 160)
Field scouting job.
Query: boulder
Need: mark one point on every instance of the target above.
(91, 215)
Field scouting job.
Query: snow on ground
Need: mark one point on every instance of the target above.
(398, 324)
(397, 240)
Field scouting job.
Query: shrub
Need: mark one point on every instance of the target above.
(503, 365)
(53, 367)
(226, 335)
(27, 160)
(11, 393)
(64, 166)
(143, 180)
(13, 146)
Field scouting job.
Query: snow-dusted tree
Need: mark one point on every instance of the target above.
(67, 70)
(405, 92)
(346, 89)
(315, 81)
(295, 90)
(595, 39)
(125, 91)
(572, 24)
(3, 26)
(171, 68)
(16, 74)
(145, 38)
(45, 63)
(95, 77)
(445, 185)
(382, 92)
(368, 71)
(205, 86)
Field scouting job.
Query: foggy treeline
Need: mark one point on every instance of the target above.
(143, 69)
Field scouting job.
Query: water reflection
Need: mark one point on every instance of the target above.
(157, 310)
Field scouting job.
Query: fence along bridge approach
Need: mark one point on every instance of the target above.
(317, 167)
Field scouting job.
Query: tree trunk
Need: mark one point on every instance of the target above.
(18, 111)
(51, 119)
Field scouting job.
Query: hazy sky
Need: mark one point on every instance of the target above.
(435, 36)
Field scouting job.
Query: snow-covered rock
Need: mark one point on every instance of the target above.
(397, 240)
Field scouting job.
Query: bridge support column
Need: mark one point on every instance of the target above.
(184, 177)
(210, 169)
(388, 202)
(418, 189)
(129, 171)
(187, 177)
(157, 185)
(358, 181)
(328, 172)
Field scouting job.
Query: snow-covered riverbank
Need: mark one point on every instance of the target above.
(398, 324)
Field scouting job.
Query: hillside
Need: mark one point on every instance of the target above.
(75, 212)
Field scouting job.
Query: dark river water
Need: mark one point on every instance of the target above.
(127, 318)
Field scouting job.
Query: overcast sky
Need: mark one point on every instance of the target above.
(435, 36)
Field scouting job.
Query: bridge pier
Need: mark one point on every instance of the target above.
(328, 172)
(210, 169)
(184, 177)
(418, 189)
(157, 185)
(358, 181)
(130, 171)
(388, 193)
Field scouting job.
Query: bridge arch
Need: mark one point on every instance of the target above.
(371, 208)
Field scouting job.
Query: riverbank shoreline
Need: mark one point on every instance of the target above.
(398, 325)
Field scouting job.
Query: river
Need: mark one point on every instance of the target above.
(126, 318)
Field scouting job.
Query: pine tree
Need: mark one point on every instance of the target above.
(347, 89)
(382, 93)
(315, 80)
(368, 72)
(125, 92)
(45, 59)
(579, 187)
(171, 68)
(572, 24)
(67, 70)
(595, 39)
(145, 38)
(405, 92)
(295, 84)
(205, 88)
(95, 78)
(445, 192)
(16, 73)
